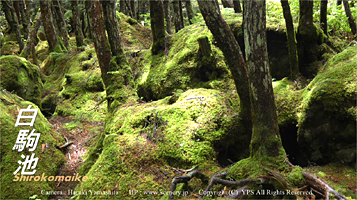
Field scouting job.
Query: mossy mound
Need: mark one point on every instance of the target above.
(135, 37)
(74, 85)
(143, 142)
(22, 77)
(9, 48)
(321, 117)
(49, 158)
(183, 67)
(327, 121)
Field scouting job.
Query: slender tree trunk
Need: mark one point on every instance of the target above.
(232, 53)
(178, 18)
(61, 22)
(122, 6)
(293, 54)
(351, 20)
(24, 18)
(323, 15)
(94, 10)
(17, 10)
(77, 23)
(189, 9)
(226, 4)
(167, 16)
(132, 8)
(157, 26)
(50, 32)
(237, 7)
(30, 45)
(12, 21)
(307, 38)
(265, 138)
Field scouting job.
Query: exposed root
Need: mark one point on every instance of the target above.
(185, 179)
(318, 185)
(63, 146)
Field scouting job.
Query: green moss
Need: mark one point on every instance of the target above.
(22, 77)
(49, 158)
(186, 134)
(295, 177)
(181, 68)
(9, 48)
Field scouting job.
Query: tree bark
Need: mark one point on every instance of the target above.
(265, 138)
(50, 32)
(226, 4)
(12, 20)
(24, 18)
(118, 79)
(62, 26)
(293, 54)
(132, 8)
(94, 10)
(232, 53)
(351, 20)
(157, 26)
(178, 18)
(237, 7)
(189, 10)
(77, 23)
(167, 16)
(30, 45)
(307, 36)
(323, 15)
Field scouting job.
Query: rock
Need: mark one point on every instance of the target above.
(49, 158)
(327, 122)
(22, 77)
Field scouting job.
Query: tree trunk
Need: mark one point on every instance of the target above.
(167, 16)
(24, 18)
(323, 15)
(62, 26)
(237, 7)
(178, 18)
(12, 21)
(190, 13)
(17, 10)
(77, 23)
(157, 26)
(118, 78)
(293, 54)
(30, 45)
(232, 53)
(94, 10)
(307, 36)
(132, 8)
(226, 4)
(50, 32)
(351, 20)
(265, 138)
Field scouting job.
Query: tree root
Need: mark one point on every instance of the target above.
(185, 179)
(318, 185)
(63, 146)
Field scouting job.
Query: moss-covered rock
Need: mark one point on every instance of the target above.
(22, 77)
(182, 68)
(142, 142)
(322, 115)
(327, 121)
(49, 158)
(9, 48)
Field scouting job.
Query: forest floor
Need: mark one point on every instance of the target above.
(81, 138)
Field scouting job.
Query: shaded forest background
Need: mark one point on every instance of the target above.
(135, 93)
